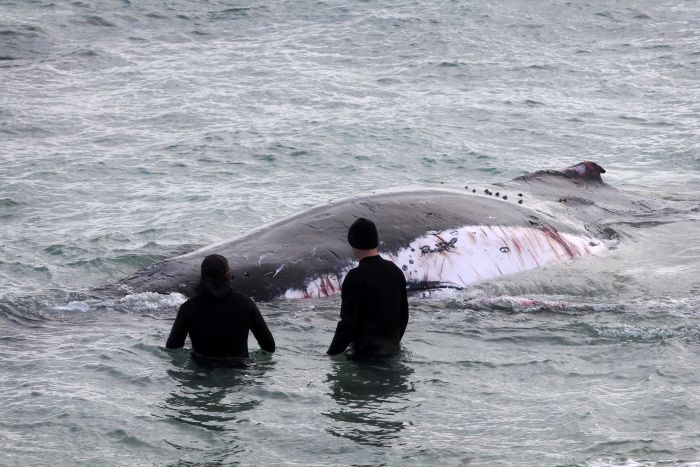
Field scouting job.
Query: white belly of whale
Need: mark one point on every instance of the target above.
(459, 257)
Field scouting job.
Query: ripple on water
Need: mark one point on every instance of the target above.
(121, 436)
(631, 333)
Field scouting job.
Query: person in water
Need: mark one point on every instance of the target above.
(217, 318)
(374, 309)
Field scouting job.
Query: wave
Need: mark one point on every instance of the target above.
(632, 333)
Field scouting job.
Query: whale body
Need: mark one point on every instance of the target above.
(440, 238)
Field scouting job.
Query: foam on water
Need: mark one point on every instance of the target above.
(151, 301)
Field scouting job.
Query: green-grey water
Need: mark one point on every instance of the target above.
(134, 131)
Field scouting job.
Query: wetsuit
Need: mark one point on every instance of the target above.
(218, 326)
(374, 310)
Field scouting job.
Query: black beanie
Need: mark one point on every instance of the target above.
(363, 234)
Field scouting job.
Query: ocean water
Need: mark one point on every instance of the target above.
(134, 131)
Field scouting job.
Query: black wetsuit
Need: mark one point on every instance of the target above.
(374, 310)
(218, 327)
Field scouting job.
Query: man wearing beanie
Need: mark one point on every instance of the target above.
(374, 310)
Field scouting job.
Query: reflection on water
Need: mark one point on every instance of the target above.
(213, 394)
(371, 396)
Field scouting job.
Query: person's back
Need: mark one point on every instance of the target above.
(217, 318)
(219, 328)
(377, 288)
(374, 309)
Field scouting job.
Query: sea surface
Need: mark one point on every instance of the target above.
(133, 131)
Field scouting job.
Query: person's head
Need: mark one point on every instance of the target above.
(363, 238)
(215, 266)
(215, 275)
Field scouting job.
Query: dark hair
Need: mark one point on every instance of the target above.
(214, 282)
(363, 234)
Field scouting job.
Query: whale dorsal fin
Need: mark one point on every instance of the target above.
(585, 170)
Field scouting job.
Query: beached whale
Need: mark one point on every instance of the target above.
(438, 237)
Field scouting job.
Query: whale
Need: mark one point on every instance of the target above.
(439, 237)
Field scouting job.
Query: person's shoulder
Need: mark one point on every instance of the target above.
(352, 274)
(390, 264)
(351, 279)
(190, 301)
(393, 268)
(189, 304)
(241, 298)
